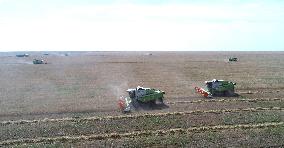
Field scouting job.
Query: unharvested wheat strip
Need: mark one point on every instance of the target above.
(227, 100)
(142, 115)
(140, 133)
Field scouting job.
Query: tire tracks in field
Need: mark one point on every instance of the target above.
(17, 122)
(227, 100)
(140, 133)
(257, 92)
(260, 90)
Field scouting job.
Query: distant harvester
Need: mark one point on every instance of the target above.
(22, 55)
(39, 61)
(233, 59)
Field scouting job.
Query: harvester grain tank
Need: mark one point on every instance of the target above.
(217, 88)
(140, 96)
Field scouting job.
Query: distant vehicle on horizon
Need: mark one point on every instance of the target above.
(233, 59)
(39, 61)
(22, 55)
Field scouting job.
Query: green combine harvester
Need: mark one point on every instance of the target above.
(140, 97)
(217, 88)
(233, 59)
(39, 61)
(22, 55)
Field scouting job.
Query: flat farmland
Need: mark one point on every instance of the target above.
(72, 100)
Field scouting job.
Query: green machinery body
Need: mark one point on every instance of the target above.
(220, 87)
(233, 59)
(145, 95)
(140, 96)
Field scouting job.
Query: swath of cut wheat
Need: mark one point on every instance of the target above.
(142, 115)
(227, 100)
(140, 133)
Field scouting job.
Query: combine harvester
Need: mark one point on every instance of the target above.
(217, 88)
(139, 97)
(233, 59)
(37, 61)
(22, 55)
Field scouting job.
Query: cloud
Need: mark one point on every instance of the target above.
(130, 26)
(173, 12)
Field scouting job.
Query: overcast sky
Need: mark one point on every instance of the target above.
(141, 25)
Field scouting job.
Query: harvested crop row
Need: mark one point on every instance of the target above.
(259, 90)
(255, 92)
(228, 100)
(142, 115)
(140, 133)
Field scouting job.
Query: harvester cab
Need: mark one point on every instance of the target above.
(140, 96)
(217, 88)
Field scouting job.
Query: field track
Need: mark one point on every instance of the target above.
(260, 90)
(140, 133)
(228, 100)
(142, 115)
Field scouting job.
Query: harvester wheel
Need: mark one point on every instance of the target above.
(229, 93)
(161, 100)
(150, 104)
